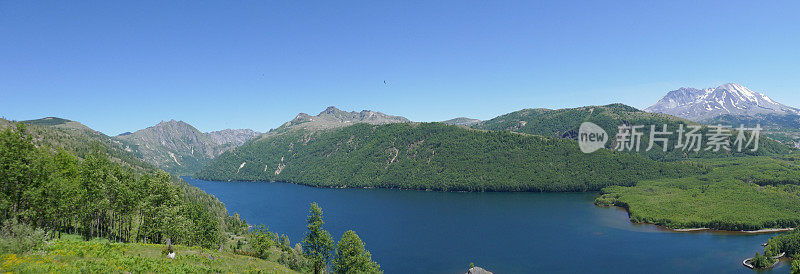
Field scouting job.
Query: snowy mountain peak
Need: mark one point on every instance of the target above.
(730, 98)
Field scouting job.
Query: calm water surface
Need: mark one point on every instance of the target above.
(439, 232)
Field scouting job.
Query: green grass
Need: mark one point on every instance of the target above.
(70, 254)
(738, 194)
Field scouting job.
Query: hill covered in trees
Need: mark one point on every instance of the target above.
(433, 156)
(53, 134)
(564, 123)
(124, 210)
(95, 195)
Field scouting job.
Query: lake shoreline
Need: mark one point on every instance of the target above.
(390, 188)
(704, 229)
(660, 227)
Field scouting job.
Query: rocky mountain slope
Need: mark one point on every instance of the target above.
(180, 148)
(233, 137)
(733, 105)
(729, 99)
(331, 118)
(462, 121)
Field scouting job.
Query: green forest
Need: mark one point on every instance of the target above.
(564, 123)
(435, 156)
(744, 193)
(96, 197)
(123, 213)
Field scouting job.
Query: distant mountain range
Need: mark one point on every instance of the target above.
(462, 121)
(173, 146)
(180, 148)
(733, 105)
(729, 99)
(515, 151)
(333, 117)
(343, 149)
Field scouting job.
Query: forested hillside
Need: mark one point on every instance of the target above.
(96, 197)
(46, 191)
(564, 123)
(70, 157)
(77, 138)
(744, 193)
(434, 156)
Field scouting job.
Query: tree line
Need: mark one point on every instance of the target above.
(99, 196)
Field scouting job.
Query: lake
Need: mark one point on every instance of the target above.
(442, 232)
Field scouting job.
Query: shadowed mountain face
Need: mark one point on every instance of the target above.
(180, 148)
(729, 99)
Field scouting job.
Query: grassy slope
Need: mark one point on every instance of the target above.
(434, 156)
(70, 254)
(739, 194)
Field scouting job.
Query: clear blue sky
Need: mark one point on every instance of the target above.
(255, 64)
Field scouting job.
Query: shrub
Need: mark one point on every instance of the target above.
(20, 238)
(294, 260)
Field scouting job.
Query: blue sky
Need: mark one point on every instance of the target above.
(255, 64)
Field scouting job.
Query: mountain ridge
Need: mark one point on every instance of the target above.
(330, 118)
(731, 99)
(462, 121)
(179, 147)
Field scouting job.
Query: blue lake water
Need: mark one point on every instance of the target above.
(442, 232)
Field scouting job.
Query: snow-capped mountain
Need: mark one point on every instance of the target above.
(703, 104)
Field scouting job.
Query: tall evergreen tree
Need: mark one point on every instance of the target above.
(317, 244)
